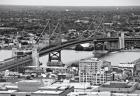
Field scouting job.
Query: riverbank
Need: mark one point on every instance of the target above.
(131, 50)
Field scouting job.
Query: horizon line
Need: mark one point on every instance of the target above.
(72, 6)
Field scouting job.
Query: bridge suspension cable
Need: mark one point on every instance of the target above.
(96, 30)
(42, 32)
(54, 30)
(81, 35)
(100, 24)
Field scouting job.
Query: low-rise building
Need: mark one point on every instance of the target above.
(85, 86)
(89, 94)
(136, 70)
(118, 87)
(34, 88)
(48, 93)
(128, 66)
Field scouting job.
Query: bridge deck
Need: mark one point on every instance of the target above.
(21, 61)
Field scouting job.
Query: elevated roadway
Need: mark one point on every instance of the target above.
(27, 60)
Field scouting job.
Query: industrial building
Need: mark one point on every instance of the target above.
(118, 87)
(94, 71)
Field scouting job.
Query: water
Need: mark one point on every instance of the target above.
(70, 56)
(121, 57)
(4, 54)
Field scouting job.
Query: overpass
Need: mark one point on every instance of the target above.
(14, 63)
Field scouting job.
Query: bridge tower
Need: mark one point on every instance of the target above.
(35, 57)
(42, 40)
(121, 41)
(55, 39)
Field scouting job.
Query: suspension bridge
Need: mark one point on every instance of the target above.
(54, 50)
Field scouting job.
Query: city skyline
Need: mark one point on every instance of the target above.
(72, 2)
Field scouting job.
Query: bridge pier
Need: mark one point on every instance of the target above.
(129, 44)
(106, 45)
(99, 45)
(55, 59)
(112, 45)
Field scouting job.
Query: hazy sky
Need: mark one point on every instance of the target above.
(73, 2)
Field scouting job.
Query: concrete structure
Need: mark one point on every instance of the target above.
(78, 87)
(35, 57)
(93, 71)
(118, 87)
(121, 41)
(56, 69)
(6, 93)
(127, 66)
(34, 88)
(47, 93)
(136, 70)
(29, 85)
(125, 94)
(89, 94)
(102, 77)
(53, 90)
(14, 52)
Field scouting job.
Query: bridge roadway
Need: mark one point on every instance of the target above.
(46, 50)
(26, 60)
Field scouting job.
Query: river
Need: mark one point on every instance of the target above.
(121, 57)
(69, 56)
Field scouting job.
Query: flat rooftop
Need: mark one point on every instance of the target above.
(47, 92)
(75, 85)
(90, 60)
(7, 91)
(89, 94)
(116, 84)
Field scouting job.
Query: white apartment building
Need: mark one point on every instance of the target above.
(90, 70)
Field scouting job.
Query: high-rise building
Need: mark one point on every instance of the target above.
(94, 71)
